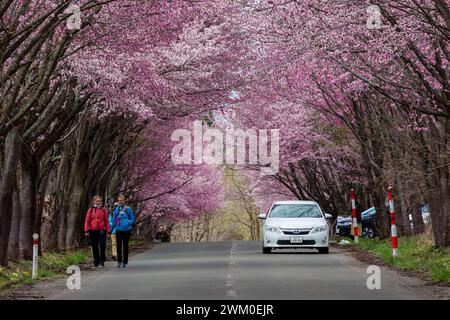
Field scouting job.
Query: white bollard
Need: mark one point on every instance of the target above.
(35, 256)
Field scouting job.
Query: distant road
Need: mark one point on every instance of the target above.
(238, 270)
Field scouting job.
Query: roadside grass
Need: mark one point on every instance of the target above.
(136, 242)
(51, 265)
(415, 254)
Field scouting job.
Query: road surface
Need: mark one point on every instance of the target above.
(238, 270)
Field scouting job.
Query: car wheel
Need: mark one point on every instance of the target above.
(267, 250)
(368, 232)
(323, 250)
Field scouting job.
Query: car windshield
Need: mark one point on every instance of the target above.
(295, 211)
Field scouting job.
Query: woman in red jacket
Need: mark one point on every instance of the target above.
(97, 228)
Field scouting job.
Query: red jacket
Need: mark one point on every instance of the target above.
(97, 219)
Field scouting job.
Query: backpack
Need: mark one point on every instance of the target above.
(125, 210)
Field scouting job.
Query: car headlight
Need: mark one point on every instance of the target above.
(319, 229)
(272, 229)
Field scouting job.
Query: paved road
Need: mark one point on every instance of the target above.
(238, 270)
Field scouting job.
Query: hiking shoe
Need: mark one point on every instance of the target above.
(124, 265)
(119, 265)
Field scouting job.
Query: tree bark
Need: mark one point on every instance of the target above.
(404, 211)
(439, 184)
(51, 208)
(28, 205)
(382, 216)
(49, 230)
(62, 229)
(12, 153)
(79, 173)
(13, 246)
(439, 207)
(416, 212)
(74, 218)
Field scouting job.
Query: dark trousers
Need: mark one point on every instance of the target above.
(98, 243)
(123, 239)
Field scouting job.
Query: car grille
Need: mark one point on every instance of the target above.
(300, 232)
(304, 243)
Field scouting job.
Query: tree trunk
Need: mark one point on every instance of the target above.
(62, 191)
(74, 217)
(416, 212)
(62, 229)
(439, 207)
(191, 231)
(382, 216)
(79, 172)
(12, 153)
(208, 226)
(28, 205)
(403, 211)
(400, 221)
(13, 246)
(49, 227)
(51, 207)
(439, 186)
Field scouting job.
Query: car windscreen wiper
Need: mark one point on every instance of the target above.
(304, 212)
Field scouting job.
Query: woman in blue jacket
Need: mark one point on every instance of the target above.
(123, 222)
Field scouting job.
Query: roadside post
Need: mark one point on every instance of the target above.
(35, 256)
(354, 220)
(393, 226)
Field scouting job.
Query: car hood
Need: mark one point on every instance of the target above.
(343, 220)
(295, 222)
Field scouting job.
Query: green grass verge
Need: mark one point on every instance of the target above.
(136, 242)
(51, 265)
(414, 254)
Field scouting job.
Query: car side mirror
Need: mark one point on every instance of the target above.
(328, 216)
(262, 216)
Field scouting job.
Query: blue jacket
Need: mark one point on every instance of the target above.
(110, 220)
(123, 219)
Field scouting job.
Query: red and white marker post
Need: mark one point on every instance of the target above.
(354, 220)
(393, 226)
(35, 256)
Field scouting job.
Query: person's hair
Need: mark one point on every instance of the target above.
(97, 198)
(121, 196)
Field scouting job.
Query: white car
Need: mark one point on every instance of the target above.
(295, 224)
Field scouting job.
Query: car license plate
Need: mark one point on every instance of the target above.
(296, 239)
